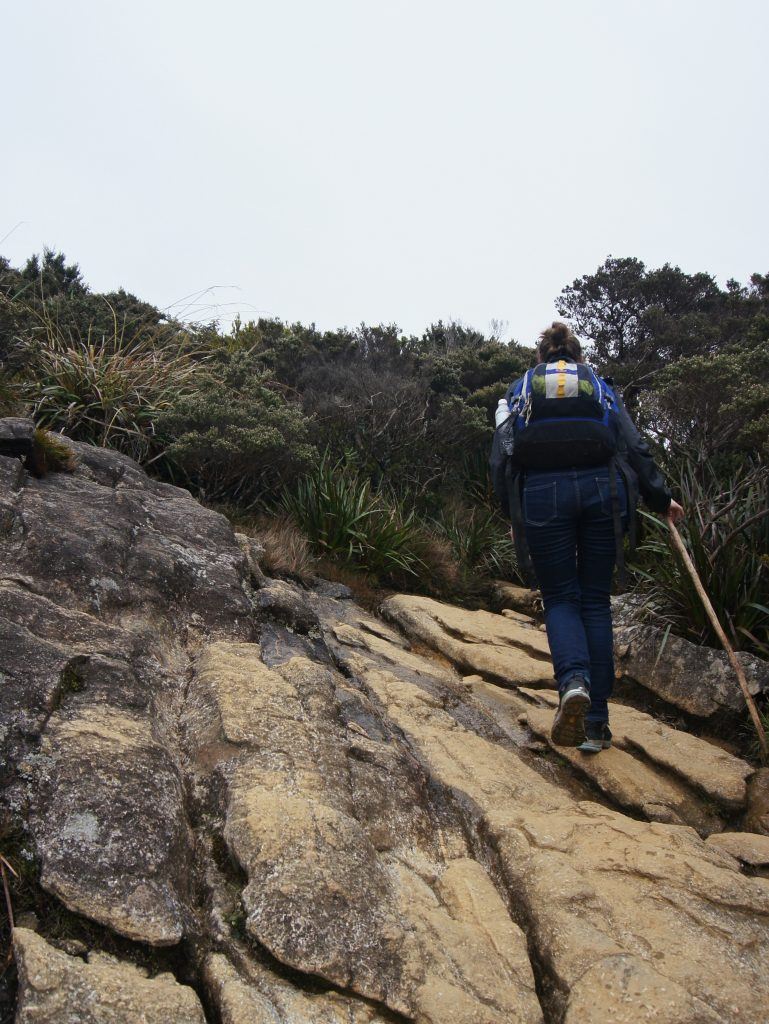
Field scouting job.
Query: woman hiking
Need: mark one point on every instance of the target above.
(567, 464)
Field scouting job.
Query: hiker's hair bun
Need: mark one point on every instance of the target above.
(558, 342)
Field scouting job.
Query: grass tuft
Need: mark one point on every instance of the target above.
(287, 550)
(345, 520)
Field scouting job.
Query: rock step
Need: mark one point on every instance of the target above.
(629, 782)
(746, 847)
(714, 772)
(507, 650)
(621, 777)
(662, 773)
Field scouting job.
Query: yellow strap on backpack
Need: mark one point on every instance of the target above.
(561, 390)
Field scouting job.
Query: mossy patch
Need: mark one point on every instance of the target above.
(70, 680)
(50, 454)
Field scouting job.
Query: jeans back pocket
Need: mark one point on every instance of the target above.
(539, 504)
(604, 496)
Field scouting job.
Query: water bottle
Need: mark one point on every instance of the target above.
(502, 412)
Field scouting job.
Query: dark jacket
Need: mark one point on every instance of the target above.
(634, 460)
(633, 451)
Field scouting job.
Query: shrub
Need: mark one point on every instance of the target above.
(726, 531)
(716, 403)
(367, 591)
(236, 437)
(442, 575)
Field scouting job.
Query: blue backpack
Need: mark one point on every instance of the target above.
(560, 417)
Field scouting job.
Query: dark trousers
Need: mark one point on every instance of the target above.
(570, 533)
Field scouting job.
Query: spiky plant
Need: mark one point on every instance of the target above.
(726, 532)
(337, 509)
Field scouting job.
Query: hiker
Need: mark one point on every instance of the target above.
(567, 465)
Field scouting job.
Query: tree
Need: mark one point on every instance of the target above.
(641, 320)
(717, 405)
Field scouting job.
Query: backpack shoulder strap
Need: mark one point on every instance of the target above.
(605, 392)
(516, 393)
(609, 391)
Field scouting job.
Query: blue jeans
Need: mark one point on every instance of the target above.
(570, 533)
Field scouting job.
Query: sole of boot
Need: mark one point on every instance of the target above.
(569, 723)
(594, 746)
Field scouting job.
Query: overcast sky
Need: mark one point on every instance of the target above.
(346, 160)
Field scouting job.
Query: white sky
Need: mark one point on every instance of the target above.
(345, 160)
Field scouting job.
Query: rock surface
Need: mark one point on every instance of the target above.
(266, 797)
(110, 824)
(699, 680)
(340, 884)
(107, 577)
(744, 846)
(60, 989)
(507, 650)
(757, 813)
(259, 997)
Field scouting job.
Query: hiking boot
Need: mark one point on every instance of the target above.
(569, 722)
(597, 738)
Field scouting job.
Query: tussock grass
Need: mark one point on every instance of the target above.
(287, 550)
(105, 390)
(380, 536)
(345, 520)
(481, 542)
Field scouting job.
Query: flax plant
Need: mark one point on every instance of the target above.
(726, 532)
(343, 518)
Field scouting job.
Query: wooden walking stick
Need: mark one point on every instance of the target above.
(739, 671)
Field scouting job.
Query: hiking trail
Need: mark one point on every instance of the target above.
(241, 800)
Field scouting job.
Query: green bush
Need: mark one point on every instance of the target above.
(726, 531)
(236, 437)
(717, 403)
